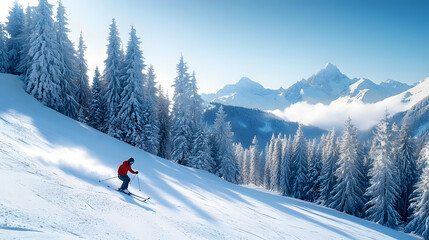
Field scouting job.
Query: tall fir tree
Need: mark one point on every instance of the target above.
(4, 57)
(112, 75)
(327, 176)
(300, 165)
(130, 115)
(407, 170)
(314, 171)
(268, 159)
(83, 94)
(164, 123)
(350, 188)
(419, 223)
(97, 109)
(255, 163)
(150, 121)
(228, 168)
(181, 128)
(285, 168)
(200, 155)
(384, 189)
(15, 43)
(275, 164)
(25, 58)
(68, 78)
(46, 67)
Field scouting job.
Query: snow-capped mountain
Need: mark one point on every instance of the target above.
(249, 94)
(49, 171)
(324, 87)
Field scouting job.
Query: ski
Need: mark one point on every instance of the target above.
(134, 196)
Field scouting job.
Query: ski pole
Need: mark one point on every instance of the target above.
(138, 183)
(132, 179)
(107, 179)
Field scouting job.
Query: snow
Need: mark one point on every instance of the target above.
(49, 171)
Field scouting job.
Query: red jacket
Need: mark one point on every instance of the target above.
(124, 168)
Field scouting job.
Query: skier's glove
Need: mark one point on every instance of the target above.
(137, 172)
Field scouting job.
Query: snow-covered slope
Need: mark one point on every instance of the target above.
(50, 164)
(324, 87)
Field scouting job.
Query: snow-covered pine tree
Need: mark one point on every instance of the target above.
(239, 155)
(97, 109)
(300, 165)
(83, 94)
(255, 163)
(419, 223)
(245, 173)
(112, 75)
(228, 168)
(327, 176)
(407, 170)
(4, 57)
(384, 189)
(130, 115)
(350, 188)
(267, 167)
(164, 123)
(314, 171)
(150, 120)
(181, 129)
(68, 78)
(200, 155)
(15, 42)
(285, 167)
(24, 60)
(196, 105)
(275, 164)
(43, 77)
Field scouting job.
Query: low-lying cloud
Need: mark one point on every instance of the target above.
(363, 115)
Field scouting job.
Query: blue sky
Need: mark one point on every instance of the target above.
(275, 43)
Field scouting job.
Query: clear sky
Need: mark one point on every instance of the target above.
(274, 42)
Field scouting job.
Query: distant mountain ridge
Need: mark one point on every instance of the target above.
(324, 87)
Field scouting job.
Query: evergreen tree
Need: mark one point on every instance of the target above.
(164, 118)
(285, 168)
(4, 58)
(200, 155)
(300, 165)
(15, 43)
(267, 168)
(228, 168)
(97, 104)
(327, 176)
(45, 71)
(25, 58)
(196, 104)
(131, 112)
(70, 105)
(83, 93)
(245, 173)
(181, 129)
(314, 171)
(112, 75)
(407, 170)
(419, 223)
(150, 121)
(275, 164)
(384, 189)
(350, 187)
(255, 163)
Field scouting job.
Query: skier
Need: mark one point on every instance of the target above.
(122, 174)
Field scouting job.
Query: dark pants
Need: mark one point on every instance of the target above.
(125, 181)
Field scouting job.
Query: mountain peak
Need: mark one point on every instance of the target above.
(331, 69)
(248, 83)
